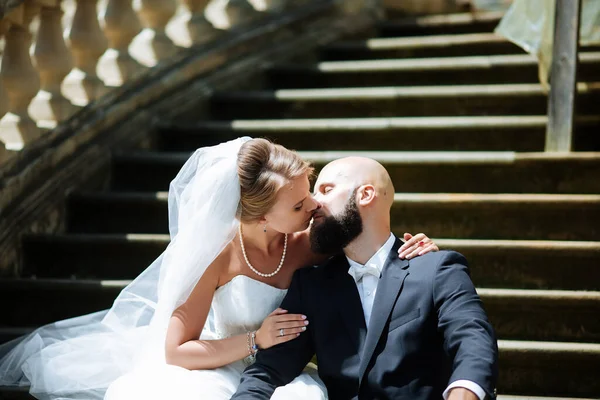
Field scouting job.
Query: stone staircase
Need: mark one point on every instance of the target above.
(457, 117)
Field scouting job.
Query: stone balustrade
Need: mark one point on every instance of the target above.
(57, 56)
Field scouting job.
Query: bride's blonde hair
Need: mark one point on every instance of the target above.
(263, 169)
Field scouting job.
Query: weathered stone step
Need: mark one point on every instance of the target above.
(530, 264)
(15, 393)
(494, 263)
(561, 370)
(453, 100)
(481, 133)
(509, 397)
(90, 256)
(499, 216)
(470, 44)
(552, 315)
(441, 24)
(413, 172)
(502, 69)
(515, 314)
(10, 333)
(35, 302)
(123, 213)
(451, 215)
(23, 394)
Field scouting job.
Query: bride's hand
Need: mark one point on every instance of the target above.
(279, 321)
(416, 246)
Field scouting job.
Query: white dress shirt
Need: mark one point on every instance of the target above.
(366, 283)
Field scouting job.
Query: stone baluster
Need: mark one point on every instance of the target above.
(226, 14)
(121, 25)
(152, 44)
(21, 82)
(87, 43)
(54, 62)
(270, 5)
(192, 28)
(4, 102)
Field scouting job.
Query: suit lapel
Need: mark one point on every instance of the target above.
(390, 284)
(348, 302)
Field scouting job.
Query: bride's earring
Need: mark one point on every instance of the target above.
(265, 230)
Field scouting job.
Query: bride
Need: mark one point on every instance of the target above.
(185, 328)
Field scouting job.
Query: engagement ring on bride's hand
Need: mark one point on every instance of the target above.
(281, 332)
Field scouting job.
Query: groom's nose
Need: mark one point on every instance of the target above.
(315, 205)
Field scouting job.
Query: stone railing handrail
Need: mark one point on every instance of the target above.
(57, 56)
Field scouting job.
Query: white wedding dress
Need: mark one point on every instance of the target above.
(119, 354)
(239, 306)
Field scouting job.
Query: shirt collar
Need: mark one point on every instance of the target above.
(378, 259)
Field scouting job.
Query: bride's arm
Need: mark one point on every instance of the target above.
(184, 349)
(182, 346)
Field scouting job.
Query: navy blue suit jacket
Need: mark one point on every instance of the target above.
(428, 328)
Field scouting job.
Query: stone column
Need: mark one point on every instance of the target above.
(87, 43)
(192, 28)
(4, 102)
(21, 82)
(121, 25)
(152, 44)
(226, 14)
(54, 63)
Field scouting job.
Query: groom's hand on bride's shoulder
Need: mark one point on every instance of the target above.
(415, 246)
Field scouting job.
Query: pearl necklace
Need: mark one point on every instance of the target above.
(248, 261)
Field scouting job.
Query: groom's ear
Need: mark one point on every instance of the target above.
(366, 195)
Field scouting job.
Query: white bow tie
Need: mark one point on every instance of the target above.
(358, 273)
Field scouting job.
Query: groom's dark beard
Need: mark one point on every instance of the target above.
(335, 232)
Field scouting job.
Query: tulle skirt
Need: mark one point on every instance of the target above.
(170, 382)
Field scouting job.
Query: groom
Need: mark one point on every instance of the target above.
(381, 327)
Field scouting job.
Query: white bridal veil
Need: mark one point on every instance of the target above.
(82, 356)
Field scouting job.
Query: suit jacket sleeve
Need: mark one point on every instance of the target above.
(279, 365)
(469, 338)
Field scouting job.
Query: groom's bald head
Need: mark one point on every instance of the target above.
(357, 172)
(356, 195)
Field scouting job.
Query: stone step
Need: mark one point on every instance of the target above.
(459, 100)
(10, 333)
(413, 172)
(515, 314)
(552, 315)
(450, 215)
(445, 45)
(562, 370)
(23, 394)
(90, 256)
(494, 263)
(441, 24)
(530, 264)
(15, 393)
(36, 302)
(480, 133)
(122, 213)
(502, 69)
(499, 216)
(509, 397)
